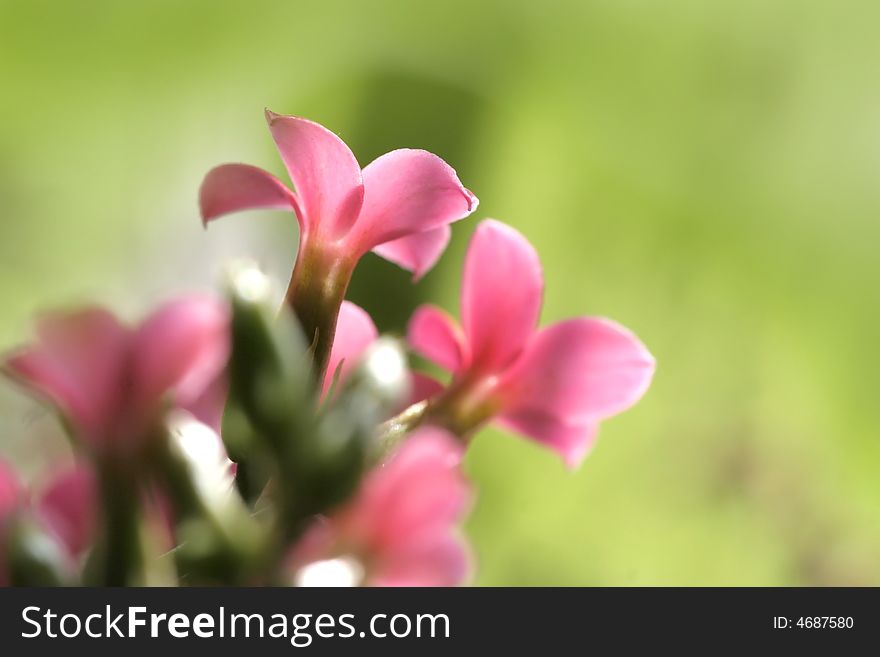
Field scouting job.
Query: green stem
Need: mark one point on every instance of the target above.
(464, 407)
(316, 291)
(393, 432)
(461, 409)
(216, 549)
(123, 559)
(177, 480)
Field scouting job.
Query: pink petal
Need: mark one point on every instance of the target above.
(579, 371)
(234, 187)
(402, 522)
(324, 172)
(68, 507)
(443, 561)
(10, 489)
(571, 440)
(416, 253)
(417, 494)
(501, 294)
(407, 192)
(182, 346)
(355, 331)
(79, 364)
(432, 333)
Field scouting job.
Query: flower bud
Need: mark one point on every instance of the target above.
(334, 461)
(269, 370)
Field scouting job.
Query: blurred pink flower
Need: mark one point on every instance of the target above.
(399, 206)
(65, 510)
(555, 384)
(400, 528)
(67, 505)
(111, 383)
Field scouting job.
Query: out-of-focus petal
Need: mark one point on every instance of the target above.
(10, 497)
(433, 334)
(10, 489)
(408, 192)
(501, 294)
(401, 524)
(68, 507)
(324, 172)
(443, 561)
(418, 493)
(572, 441)
(182, 346)
(580, 371)
(355, 331)
(234, 187)
(78, 364)
(416, 253)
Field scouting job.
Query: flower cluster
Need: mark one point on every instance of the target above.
(295, 445)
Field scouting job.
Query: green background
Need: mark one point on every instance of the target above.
(704, 172)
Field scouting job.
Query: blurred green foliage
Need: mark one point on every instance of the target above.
(704, 172)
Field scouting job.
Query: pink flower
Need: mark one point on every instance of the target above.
(555, 384)
(113, 384)
(400, 528)
(400, 205)
(64, 509)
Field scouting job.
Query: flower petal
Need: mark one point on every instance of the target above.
(234, 187)
(68, 507)
(401, 524)
(579, 371)
(407, 192)
(182, 346)
(10, 489)
(79, 364)
(355, 331)
(443, 561)
(501, 294)
(418, 494)
(433, 334)
(325, 173)
(572, 441)
(416, 253)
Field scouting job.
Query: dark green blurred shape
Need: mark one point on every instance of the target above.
(399, 108)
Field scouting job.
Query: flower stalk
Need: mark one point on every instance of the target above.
(315, 294)
(120, 558)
